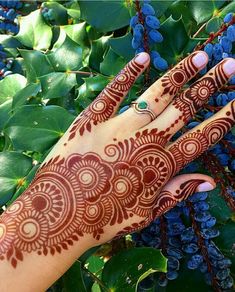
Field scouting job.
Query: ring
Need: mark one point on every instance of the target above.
(142, 107)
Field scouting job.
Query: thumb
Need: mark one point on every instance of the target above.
(180, 188)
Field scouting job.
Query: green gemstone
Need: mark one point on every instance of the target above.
(142, 105)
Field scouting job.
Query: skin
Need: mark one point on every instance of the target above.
(110, 175)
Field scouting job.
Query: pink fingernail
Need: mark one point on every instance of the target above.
(204, 187)
(229, 67)
(142, 58)
(200, 59)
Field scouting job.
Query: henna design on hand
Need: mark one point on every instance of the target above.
(178, 76)
(106, 103)
(190, 101)
(194, 143)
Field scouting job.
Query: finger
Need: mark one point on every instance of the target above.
(185, 105)
(180, 188)
(108, 101)
(161, 93)
(193, 143)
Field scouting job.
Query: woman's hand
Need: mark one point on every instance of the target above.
(109, 175)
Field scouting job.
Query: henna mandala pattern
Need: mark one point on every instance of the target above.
(177, 77)
(103, 107)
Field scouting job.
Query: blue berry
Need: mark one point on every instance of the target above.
(226, 44)
(147, 9)
(152, 22)
(208, 49)
(134, 20)
(217, 52)
(228, 17)
(231, 33)
(155, 36)
(172, 275)
(198, 197)
(160, 64)
(190, 248)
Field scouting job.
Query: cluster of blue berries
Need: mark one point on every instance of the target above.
(194, 243)
(8, 16)
(145, 27)
(5, 64)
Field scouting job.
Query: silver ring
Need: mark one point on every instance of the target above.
(142, 107)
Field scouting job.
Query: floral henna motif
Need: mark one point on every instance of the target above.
(177, 77)
(193, 144)
(104, 106)
(191, 100)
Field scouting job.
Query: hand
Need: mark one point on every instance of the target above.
(110, 175)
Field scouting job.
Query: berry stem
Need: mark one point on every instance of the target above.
(146, 45)
(213, 35)
(202, 246)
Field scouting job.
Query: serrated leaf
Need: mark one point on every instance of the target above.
(36, 64)
(34, 32)
(5, 113)
(112, 64)
(227, 9)
(13, 168)
(204, 10)
(37, 128)
(161, 6)
(175, 39)
(66, 54)
(105, 15)
(122, 46)
(20, 98)
(123, 270)
(98, 49)
(77, 32)
(56, 84)
(214, 24)
(10, 85)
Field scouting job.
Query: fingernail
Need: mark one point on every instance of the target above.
(142, 58)
(200, 59)
(204, 187)
(229, 67)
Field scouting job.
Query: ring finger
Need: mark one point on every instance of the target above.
(156, 98)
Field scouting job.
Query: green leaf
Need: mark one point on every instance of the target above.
(73, 279)
(227, 9)
(123, 271)
(112, 64)
(10, 85)
(161, 6)
(36, 64)
(95, 264)
(27, 180)
(66, 54)
(213, 24)
(175, 39)
(34, 32)
(57, 84)
(204, 10)
(10, 44)
(20, 98)
(13, 168)
(5, 113)
(105, 15)
(218, 206)
(37, 128)
(98, 49)
(122, 46)
(77, 32)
